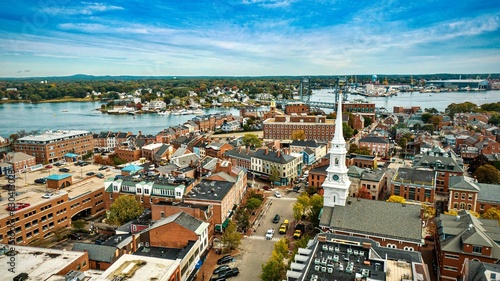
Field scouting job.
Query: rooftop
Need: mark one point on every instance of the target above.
(53, 136)
(209, 190)
(38, 263)
(415, 176)
(140, 267)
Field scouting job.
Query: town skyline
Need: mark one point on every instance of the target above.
(248, 38)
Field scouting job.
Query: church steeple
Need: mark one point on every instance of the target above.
(337, 183)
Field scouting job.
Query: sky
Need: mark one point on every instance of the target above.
(248, 37)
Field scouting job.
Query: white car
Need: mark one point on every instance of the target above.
(47, 195)
(270, 234)
(277, 194)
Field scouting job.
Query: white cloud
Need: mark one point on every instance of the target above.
(87, 9)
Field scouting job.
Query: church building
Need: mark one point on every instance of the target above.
(393, 225)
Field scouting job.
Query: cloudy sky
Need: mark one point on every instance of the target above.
(248, 37)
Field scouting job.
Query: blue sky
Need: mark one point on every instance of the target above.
(248, 37)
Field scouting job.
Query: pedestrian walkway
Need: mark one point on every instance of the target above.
(255, 237)
(285, 198)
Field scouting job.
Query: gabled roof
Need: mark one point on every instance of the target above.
(19, 156)
(374, 139)
(272, 156)
(183, 219)
(463, 183)
(379, 218)
(415, 176)
(304, 143)
(489, 193)
(101, 253)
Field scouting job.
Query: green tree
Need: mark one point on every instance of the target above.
(253, 204)
(396, 199)
(124, 209)
(251, 140)
(298, 211)
(274, 176)
(281, 247)
(316, 206)
(347, 130)
(426, 117)
(274, 269)
(436, 120)
(243, 218)
(231, 238)
(477, 162)
(487, 174)
(368, 122)
(431, 110)
(78, 225)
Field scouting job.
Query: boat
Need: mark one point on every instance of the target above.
(166, 112)
(64, 110)
(198, 111)
(186, 112)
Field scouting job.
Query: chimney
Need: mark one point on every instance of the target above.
(267, 150)
(278, 153)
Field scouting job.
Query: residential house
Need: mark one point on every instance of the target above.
(463, 237)
(414, 184)
(20, 161)
(376, 145)
(265, 161)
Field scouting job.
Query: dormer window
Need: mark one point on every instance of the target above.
(477, 249)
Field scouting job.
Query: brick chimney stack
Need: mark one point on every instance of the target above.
(267, 150)
(278, 153)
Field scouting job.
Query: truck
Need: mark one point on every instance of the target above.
(299, 231)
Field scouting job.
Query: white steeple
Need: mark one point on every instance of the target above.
(336, 184)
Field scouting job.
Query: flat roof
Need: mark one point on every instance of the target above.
(32, 197)
(38, 263)
(53, 135)
(140, 268)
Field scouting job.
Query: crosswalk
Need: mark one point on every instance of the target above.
(255, 237)
(285, 198)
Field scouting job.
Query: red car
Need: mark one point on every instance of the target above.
(265, 187)
(48, 166)
(17, 207)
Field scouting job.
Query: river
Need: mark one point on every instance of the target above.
(83, 116)
(425, 100)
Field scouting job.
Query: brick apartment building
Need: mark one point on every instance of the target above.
(52, 146)
(414, 184)
(376, 145)
(468, 194)
(446, 164)
(462, 238)
(35, 217)
(20, 161)
(315, 127)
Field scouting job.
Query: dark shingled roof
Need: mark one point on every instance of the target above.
(462, 183)
(304, 143)
(96, 252)
(415, 176)
(477, 270)
(489, 193)
(209, 190)
(272, 156)
(373, 139)
(371, 217)
(181, 218)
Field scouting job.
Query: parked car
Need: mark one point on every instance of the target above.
(270, 234)
(103, 168)
(265, 187)
(283, 228)
(277, 194)
(41, 180)
(221, 269)
(48, 166)
(230, 273)
(47, 195)
(99, 242)
(64, 170)
(296, 188)
(225, 259)
(90, 174)
(276, 219)
(218, 278)
(75, 236)
(100, 175)
(57, 164)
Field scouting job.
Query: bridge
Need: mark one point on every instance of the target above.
(318, 104)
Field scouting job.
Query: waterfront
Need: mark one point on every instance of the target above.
(83, 116)
(425, 100)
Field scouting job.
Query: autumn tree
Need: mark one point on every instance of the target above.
(477, 162)
(298, 135)
(492, 214)
(275, 268)
(364, 193)
(487, 174)
(298, 211)
(274, 175)
(231, 238)
(124, 209)
(78, 225)
(251, 140)
(436, 120)
(396, 199)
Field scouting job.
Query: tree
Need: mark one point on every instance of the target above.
(281, 248)
(315, 209)
(124, 209)
(298, 135)
(492, 214)
(298, 211)
(347, 130)
(274, 176)
(251, 140)
(243, 218)
(487, 174)
(426, 117)
(478, 162)
(253, 203)
(78, 225)
(396, 199)
(455, 212)
(274, 269)
(364, 193)
(429, 211)
(368, 122)
(431, 110)
(231, 237)
(436, 120)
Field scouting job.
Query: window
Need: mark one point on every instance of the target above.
(450, 268)
(470, 197)
(456, 195)
(452, 257)
(477, 249)
(463, 196)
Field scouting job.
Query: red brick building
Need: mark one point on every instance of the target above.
(377, 145)
(414, 185)
(20, 161)
(315, 127)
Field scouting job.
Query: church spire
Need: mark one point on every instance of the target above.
(338, 138)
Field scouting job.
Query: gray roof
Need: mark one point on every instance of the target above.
(96, 252)
(477, 270)
(462, 183)
(304, 143)
(455, 231)
(355, 171)
(239, 152)
(183, 219)
(373, 139)
(371, 217)
(373, 175)
(209, 190)
(415, 176)
(439, 163)
(272, 156)
(488, 193)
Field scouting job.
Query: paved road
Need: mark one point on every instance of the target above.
(255, 249)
